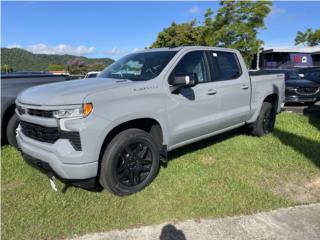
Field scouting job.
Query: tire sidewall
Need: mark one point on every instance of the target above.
(12, 126)
(258, 129)
(267, 108)
(269, 111)
(108, 178)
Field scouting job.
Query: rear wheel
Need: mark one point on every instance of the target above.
(11, 130)
(130, 162)
(266, 120)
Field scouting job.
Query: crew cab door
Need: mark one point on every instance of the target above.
(233, 87)
(191, 111)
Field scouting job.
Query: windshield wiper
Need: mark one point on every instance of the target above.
(137, 79)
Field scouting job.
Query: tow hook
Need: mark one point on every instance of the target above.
(52, 183)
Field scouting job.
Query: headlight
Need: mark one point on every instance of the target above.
(83, 111)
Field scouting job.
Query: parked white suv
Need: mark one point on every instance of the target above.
(91, 74)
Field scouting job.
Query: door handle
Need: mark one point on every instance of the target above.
(245, 87)
(212, 92)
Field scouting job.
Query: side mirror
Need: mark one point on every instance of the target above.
(179, 81)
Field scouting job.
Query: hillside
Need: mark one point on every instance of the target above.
(22, 60)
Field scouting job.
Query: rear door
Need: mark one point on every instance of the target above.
(232, 86)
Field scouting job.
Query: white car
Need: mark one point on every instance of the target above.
(92, 75)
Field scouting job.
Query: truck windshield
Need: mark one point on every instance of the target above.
(139, 66)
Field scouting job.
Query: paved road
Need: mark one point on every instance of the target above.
(297, 223)
(312, 110)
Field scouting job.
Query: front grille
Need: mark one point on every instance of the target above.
(40, 113)
(307, 90)
(50, 134)
(40, 133)
(35, 112)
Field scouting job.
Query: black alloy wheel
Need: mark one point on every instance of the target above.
(134, 163)
(265, 121)
(130, 162)
(268, 121)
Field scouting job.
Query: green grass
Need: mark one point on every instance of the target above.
(226, 175)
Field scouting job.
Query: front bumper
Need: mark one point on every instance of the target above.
(300, 99)
(45, 168)
(66, 161)
(53, 155)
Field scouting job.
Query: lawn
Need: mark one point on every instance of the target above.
(226, 175)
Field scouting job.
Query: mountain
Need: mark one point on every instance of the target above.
(22, 60)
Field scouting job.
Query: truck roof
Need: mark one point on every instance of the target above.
(178, 48)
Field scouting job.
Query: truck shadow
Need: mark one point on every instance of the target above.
(308, 148)
(315, 121)
(313, 112)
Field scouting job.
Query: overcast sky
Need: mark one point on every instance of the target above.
(112, 29)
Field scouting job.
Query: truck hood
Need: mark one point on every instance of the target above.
(68, 92)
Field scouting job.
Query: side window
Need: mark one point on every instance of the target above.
(225, 66)
(193, 62)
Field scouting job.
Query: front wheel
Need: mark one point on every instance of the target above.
(130, 162)
(11, 130)
(266, 120)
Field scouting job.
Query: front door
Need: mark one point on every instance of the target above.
(191, 112)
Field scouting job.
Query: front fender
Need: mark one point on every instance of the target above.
(141, 115)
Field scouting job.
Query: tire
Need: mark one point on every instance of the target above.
(266, 120)
(11, 130)
(129, 163)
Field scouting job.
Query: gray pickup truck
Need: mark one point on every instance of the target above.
(117, 128)
(11, 85)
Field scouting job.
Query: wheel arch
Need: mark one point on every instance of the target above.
(273, 99)
(149, 125)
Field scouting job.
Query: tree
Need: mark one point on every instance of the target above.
(308, 38)
(6, 68)
(55, 67)
(76, 66)
(235, 25)
(178, 35)
(96, 67)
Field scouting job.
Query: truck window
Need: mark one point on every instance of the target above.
(225, 66)
(193, 62)
(139, 66)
